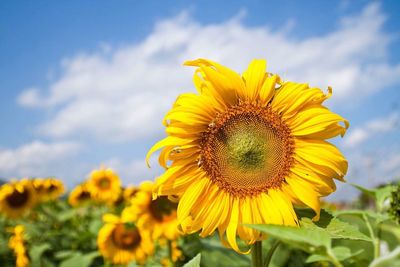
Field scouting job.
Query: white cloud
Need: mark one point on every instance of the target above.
(135, 171)
(370, 129)
(122, 93)
(392, 165)
(30, 97)
(36, 159)
(369, 170)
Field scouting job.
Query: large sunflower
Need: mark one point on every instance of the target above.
(104, 185)
(156, 215)
(120, 241)
(17, 244)
(245, 149)
(17, 197)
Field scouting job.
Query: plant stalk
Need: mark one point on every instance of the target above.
(268, 258)
(256, 255)
(171, 261)
(375, 240)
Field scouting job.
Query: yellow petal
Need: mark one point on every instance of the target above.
(284, 206)
(317, 122)
(324, 154)
(190, 197)
(268, 90)
(226, 82)
(304, 191)
(232, 227)
(170, 140)
(254, 78)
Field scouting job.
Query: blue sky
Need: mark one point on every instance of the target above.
(83, 84)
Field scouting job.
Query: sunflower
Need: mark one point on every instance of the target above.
(158, 215)
(48, 189)
(17, 197)
(79, 195)
(244, 149)
(104, 185)
(17, 244)
(129, 192)
(121, 241)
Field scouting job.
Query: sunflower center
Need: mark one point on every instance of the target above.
(52, 188)
(247, 150)
(126, 237)
(17, 199)
(83, 195)
(161, 208)
(104, 183)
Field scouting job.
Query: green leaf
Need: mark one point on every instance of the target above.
(195, 262)
(378, 217)
(391, 259)
(35, 253)
(305, 239)
(80, 260)
(324, 218)
(317, 258)
(380, 194)
(369, 192)
(344, 253)
(64, 254)
(336, 229)
(340, 253)
(66, 215)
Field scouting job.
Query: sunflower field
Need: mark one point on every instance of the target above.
(247, 164)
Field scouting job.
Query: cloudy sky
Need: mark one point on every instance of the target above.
(83, 85)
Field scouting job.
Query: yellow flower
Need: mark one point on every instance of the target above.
(17, 197)
(126, 195)
(16, 243)
(79, 195)
(157, 216)
(104, 185)
(121, 241)
(244, 149)
(129, 192)
(48, 189)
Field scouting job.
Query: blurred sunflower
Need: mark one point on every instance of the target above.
(79, 195)
(104, 185)
(245, 149)
(48, 189)
(158, 215)
(121, 241)
(17, 244)
(175, 252)
(129, 192)
(17, 197)
(125, 195)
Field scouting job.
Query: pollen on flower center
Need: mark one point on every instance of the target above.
(247, 150)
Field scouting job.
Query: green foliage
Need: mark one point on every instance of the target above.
(195, 262)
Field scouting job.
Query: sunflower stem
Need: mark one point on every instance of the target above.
(171, 261)
(256, 255)
(268, 258)
(375, 240)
